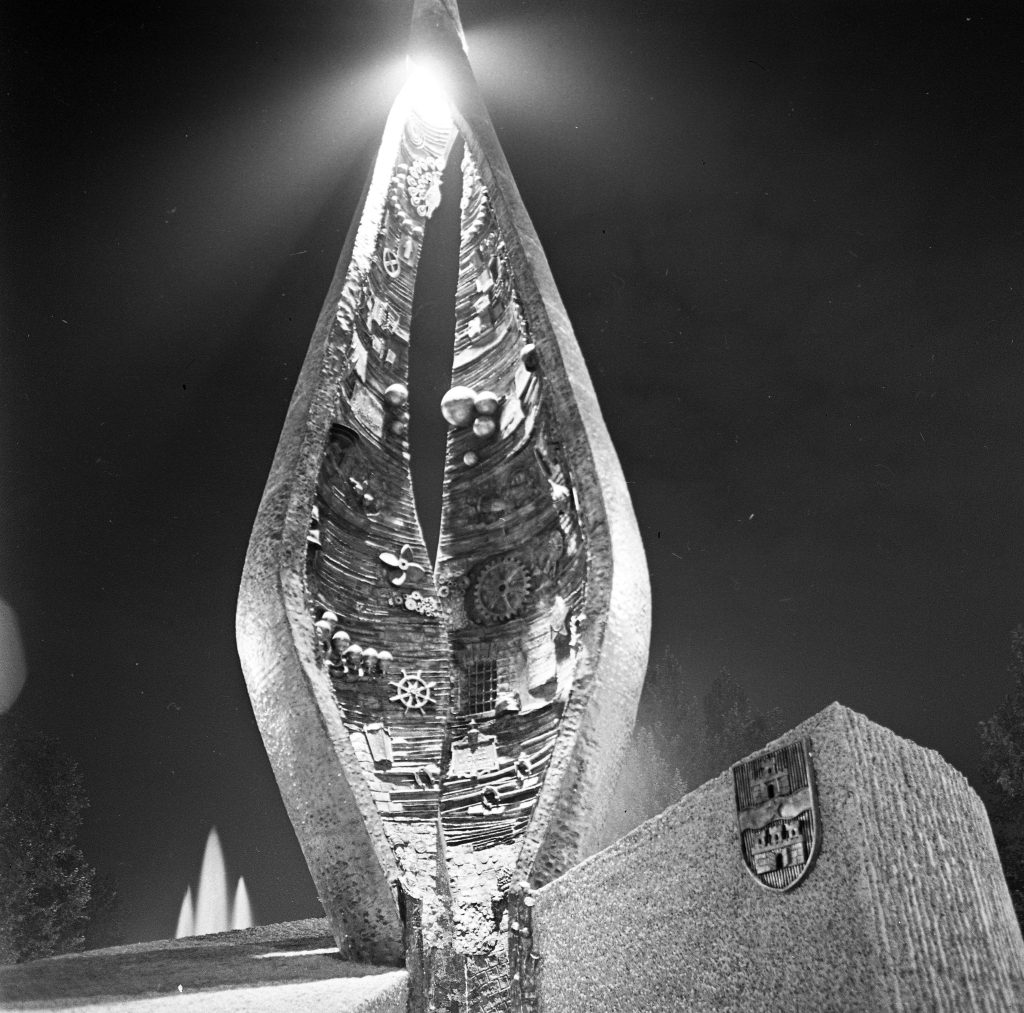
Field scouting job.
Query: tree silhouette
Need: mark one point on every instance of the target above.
(45, 881)
(1002, 774)
(647, 784)
(681, 741)
(728, 727)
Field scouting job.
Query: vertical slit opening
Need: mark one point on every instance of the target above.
(431, 349)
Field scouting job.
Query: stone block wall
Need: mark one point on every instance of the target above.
(906, 908)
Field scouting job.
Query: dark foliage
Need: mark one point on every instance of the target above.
(646, 785)
(1002, 772)
(681, 741)
(45, 881)
(104, 927)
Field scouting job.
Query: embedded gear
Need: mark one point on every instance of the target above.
(500, 590)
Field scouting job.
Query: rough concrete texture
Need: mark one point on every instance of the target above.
(288, 967)
(334, 817)
(906, 908)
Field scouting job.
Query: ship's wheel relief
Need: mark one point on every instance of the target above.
(413, 692)
(391, 263)
(500, 590)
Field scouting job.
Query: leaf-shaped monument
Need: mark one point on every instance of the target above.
(442, 737)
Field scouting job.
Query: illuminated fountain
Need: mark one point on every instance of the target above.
(212, 902)
(241, 909)
(213, 909)
(186, 916)
(12, 658)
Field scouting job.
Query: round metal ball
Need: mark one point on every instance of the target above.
(469, 458)
(398, 427)
(397, 395)
(484, 426)
(486, 402)
(457, 406)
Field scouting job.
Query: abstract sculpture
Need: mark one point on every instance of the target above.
(444, 737)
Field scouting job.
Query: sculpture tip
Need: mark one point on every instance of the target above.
(434, 19)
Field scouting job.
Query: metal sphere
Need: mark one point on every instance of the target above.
(470, 458)
(458, 406)
(397, 395)
(484, 426)
(529, 356)
(486, 402)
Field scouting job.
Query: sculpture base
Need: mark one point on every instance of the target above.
(906, 907)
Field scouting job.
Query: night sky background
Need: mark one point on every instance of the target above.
(788, 236)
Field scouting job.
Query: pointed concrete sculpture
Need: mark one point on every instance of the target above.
(442, 736)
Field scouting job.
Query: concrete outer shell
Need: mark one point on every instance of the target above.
(906, 908)
(600, 715)
(334, 818)
(337, 825)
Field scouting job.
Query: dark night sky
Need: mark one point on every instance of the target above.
(788, 235)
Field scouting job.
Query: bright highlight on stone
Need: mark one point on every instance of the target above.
(428, 99)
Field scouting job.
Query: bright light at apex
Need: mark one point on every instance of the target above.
(427, 96)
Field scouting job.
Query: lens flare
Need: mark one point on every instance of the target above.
(426, 96)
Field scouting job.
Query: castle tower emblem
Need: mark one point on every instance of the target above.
(777, 815)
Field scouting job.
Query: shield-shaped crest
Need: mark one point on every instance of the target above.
(777, 813)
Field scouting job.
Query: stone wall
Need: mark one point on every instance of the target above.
(906, 908)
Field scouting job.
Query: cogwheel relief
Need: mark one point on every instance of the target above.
(500, 590)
